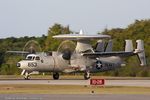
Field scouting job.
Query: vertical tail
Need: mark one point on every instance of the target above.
(140, 52)
(109, 46)
(100, 46)
(128, 46)
(103, 47)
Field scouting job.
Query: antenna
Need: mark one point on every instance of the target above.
(81, 32)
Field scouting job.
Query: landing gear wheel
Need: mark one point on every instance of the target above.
(86, 75)
(55, 76)
(27, 77)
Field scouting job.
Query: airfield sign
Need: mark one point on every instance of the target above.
(97, 81)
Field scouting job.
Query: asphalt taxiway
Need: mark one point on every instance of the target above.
(136, 83)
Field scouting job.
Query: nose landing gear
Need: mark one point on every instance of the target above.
(27, 76)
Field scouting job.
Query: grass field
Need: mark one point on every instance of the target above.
(70, 89)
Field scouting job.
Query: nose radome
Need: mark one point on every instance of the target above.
(18, 65)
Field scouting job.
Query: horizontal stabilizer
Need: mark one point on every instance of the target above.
(18, 52)
(107, 54)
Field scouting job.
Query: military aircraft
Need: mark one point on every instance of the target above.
(83, 58)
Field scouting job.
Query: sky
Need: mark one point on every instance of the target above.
(20, 18)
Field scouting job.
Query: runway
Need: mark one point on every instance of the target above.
(136, 83)
(73, 97)
(88, 96)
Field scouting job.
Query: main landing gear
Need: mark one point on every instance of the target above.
(87, 75)
(55, 76)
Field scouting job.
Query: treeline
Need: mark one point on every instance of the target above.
(140, 29)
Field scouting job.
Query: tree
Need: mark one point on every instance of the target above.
(56, 29)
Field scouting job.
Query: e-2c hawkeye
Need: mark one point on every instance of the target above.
(83, 58)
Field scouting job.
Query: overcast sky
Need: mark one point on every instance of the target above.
(34, 17)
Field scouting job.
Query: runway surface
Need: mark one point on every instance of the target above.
(138, 83)
(72, 97)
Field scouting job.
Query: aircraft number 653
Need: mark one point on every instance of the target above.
(32, 64)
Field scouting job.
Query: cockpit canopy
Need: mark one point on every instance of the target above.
(33, 57)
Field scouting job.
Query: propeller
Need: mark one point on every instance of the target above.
(32, 47)
(66, 49)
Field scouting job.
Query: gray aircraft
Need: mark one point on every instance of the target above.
(83, 58)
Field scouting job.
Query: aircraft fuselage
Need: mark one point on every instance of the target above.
(79, 63)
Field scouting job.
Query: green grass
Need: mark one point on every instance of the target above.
(70, 89)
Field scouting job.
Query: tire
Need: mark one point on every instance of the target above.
(55, 76)
(27, 77)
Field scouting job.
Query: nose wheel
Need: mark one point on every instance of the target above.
(56, 76)
(27, 76)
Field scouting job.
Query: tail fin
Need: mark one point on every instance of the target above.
(100, 46)
(128, 46)
(109, 46)
(140, 52)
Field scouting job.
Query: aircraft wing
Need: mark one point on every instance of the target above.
(107, 54)
(18, 52)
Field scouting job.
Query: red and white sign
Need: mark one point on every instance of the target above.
(97, 81)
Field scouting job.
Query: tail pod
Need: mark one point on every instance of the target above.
(140, 52)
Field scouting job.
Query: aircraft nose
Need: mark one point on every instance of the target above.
(18, 65)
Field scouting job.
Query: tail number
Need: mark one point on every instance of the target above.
(32, 64)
